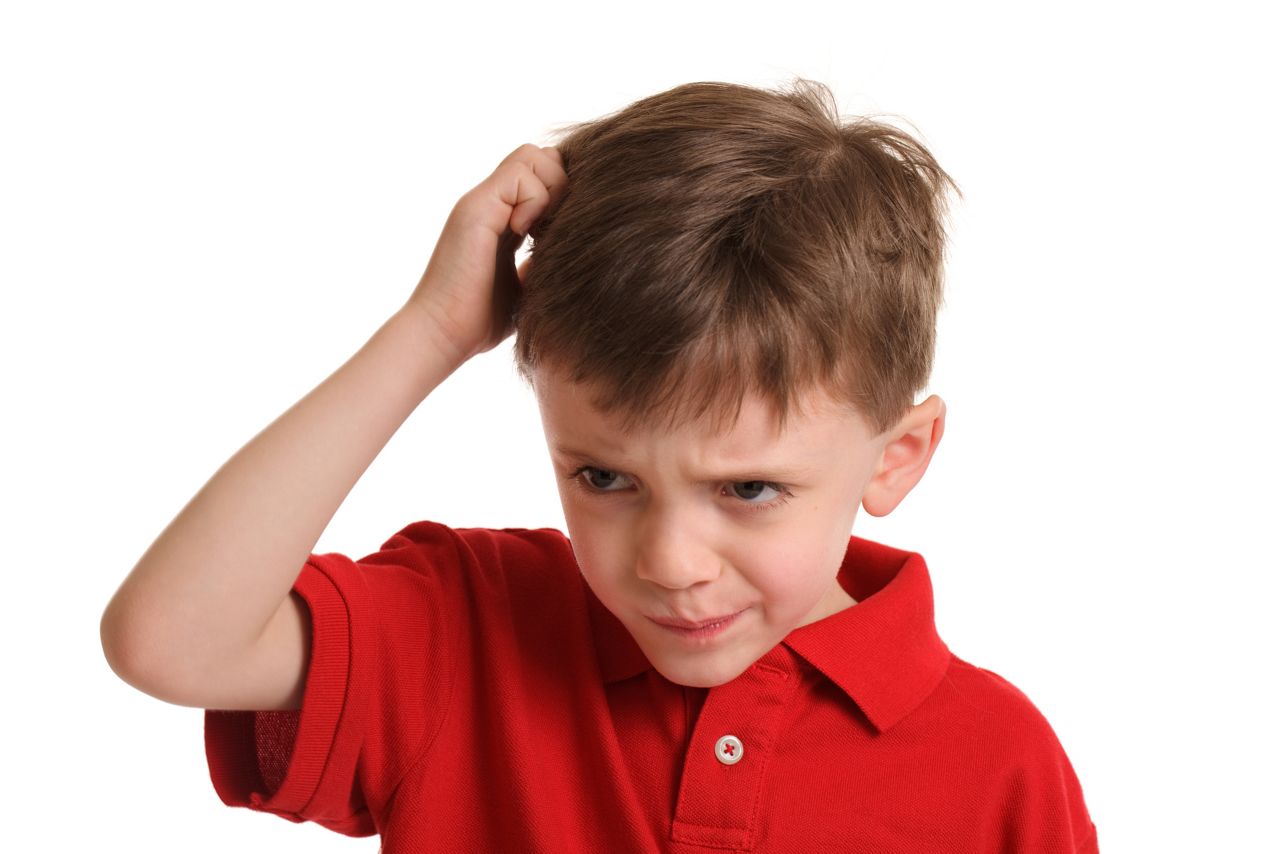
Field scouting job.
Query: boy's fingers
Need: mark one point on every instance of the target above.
(528, 181)
(545, 162)
(554, 176)
(531, 199)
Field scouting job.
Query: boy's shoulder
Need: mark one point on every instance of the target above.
(430, 545)
(481, 564)
(1000, 738)
(431, 566)
(984, 701)
(997, 732)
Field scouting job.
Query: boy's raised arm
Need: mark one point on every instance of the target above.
(205, 618)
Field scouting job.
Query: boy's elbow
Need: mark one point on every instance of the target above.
(114, 647)
(120, 648)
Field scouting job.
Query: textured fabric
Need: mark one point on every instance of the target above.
(468, 692)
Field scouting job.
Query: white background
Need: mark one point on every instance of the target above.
(208, 208)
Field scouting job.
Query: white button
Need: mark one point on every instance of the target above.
(729, 749)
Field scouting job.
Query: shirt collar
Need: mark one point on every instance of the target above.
(884, 651)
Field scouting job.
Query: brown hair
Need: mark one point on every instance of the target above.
(716, 238)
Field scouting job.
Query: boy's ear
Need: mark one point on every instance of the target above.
(907, 450)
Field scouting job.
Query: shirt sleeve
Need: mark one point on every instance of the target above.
(1042, 806)
(377, 685)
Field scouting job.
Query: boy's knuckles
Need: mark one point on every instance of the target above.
(523, 154)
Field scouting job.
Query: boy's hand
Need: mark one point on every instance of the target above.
(471, 285)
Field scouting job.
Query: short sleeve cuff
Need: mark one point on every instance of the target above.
(242, 746)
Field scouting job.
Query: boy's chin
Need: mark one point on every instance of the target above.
(701, 671)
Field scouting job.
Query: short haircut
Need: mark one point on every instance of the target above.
(717, 238)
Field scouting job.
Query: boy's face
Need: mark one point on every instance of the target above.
(690, 525)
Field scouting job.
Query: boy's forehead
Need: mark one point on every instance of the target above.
(568, 412)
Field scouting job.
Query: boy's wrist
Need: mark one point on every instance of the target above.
(425, 329)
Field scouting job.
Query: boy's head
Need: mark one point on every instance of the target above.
(736, 283)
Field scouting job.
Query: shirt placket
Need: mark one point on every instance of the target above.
(729, 752)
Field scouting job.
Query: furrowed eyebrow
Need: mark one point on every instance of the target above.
(778, 473)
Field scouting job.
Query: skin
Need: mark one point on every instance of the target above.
(673, 524)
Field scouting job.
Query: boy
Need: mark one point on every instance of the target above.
(731, 310)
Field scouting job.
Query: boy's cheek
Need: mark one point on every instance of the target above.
(598, 565)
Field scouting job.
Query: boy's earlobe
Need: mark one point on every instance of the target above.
(905, 456)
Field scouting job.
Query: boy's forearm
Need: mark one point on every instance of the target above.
(216, 575)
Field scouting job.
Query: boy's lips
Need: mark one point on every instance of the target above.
(679, 623)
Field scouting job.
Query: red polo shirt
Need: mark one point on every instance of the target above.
(468, 692)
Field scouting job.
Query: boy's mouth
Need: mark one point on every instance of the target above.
(677, 623)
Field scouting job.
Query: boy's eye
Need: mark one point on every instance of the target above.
(600, 480)
(753, 487)
(603, 485)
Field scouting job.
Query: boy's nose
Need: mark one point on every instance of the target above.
(675, 562)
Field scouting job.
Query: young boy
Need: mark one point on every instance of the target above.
(727, 312)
